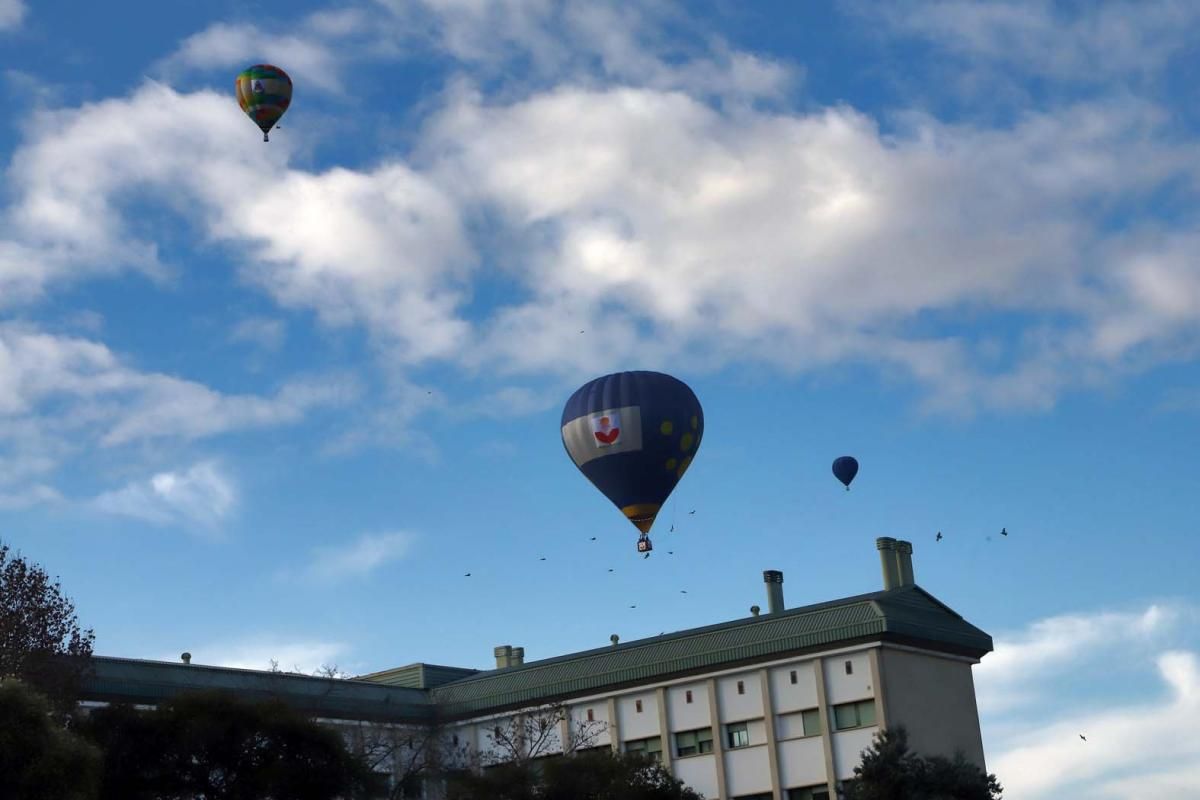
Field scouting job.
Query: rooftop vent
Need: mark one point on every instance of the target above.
(887, 561)
(773, 578)
(754, 610)
(518, 657)
(185, 658)
(503, 655)
(614, 639)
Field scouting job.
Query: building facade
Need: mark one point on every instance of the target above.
(776, 705)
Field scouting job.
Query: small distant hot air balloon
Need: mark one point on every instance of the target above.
(844, 469)
(264, 92)
(633, 435)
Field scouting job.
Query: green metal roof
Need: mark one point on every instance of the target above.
(127, 680)
(417, 692)
(908, 614)
(419, 676)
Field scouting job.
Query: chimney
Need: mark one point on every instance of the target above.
(518, 657)
(904, 563)
(503, 655)
(773, 578)
(185, 658)
(887, 559)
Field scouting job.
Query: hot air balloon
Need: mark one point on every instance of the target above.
(633, 435)
(844, 469)
(264, 92)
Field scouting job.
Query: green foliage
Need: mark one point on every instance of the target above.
(38, 759)
(40, 639)
(211, 746)
(890, 771)
(586, 776)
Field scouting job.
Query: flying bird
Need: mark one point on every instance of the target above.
(543, 558)
(693, 511)
(683, 591)
(1081, 736)
(593, 538)
(672, 529)
(467, 575)
(1004, 531)
(633, 606)
(610, 570)
(939, 536)
(670, 552)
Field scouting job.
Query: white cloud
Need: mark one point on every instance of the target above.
(264, 332)
(36, 494)
(308, 61)
(1009, 676)
(678, 230)
(1090, 41)
(201, 495)
(1128, 681)
(358, 558)
(260, 652)
(12, 12)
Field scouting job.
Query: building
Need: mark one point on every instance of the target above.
(776, 705)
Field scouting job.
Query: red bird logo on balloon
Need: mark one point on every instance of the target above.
(607, 429)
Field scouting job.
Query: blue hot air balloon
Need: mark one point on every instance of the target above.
(633, 435)
(844, 469)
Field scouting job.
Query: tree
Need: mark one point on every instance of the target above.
(586, 776)
(410, 755)
(531, 735)
(38, 759)
(40, 639)
(212, 746)
(890, 771)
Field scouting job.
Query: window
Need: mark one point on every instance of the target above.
(849, 667)
(637, 705)
(651, 747)
(736, 735)
(818, 792)
(690, 743)
(591, 716)
(762, 796)
(688, 695)
(741, 687)
(812, 721)
(854, 715)
(793, 676)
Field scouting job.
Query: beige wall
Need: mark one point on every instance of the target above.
(934, 698)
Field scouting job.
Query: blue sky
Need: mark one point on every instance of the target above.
(272, 401)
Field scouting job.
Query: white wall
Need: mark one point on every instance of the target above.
(698, 772)
(848, 747)
(842, 688)
(599, 728)
(747, 771)
(934, 698)
(634, 725)
(734, 706)
(793, 697)
(685, 716)
(801, 762)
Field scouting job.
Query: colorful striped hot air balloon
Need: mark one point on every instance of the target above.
(633, 435)
(264, 92)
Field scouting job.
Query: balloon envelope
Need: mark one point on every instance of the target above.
(845, 468)
(264, 92)
(633, 435)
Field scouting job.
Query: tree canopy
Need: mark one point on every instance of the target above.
(586, 776)
(39, 760)
(890, 771)
(212, 746)
(40, 639)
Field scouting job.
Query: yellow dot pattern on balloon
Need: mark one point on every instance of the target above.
(687, 462)
(685, 442)
(671, 463)
(666, 428)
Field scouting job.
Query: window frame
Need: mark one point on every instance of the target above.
(698, 745)
(857, 706)
(733, 728)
